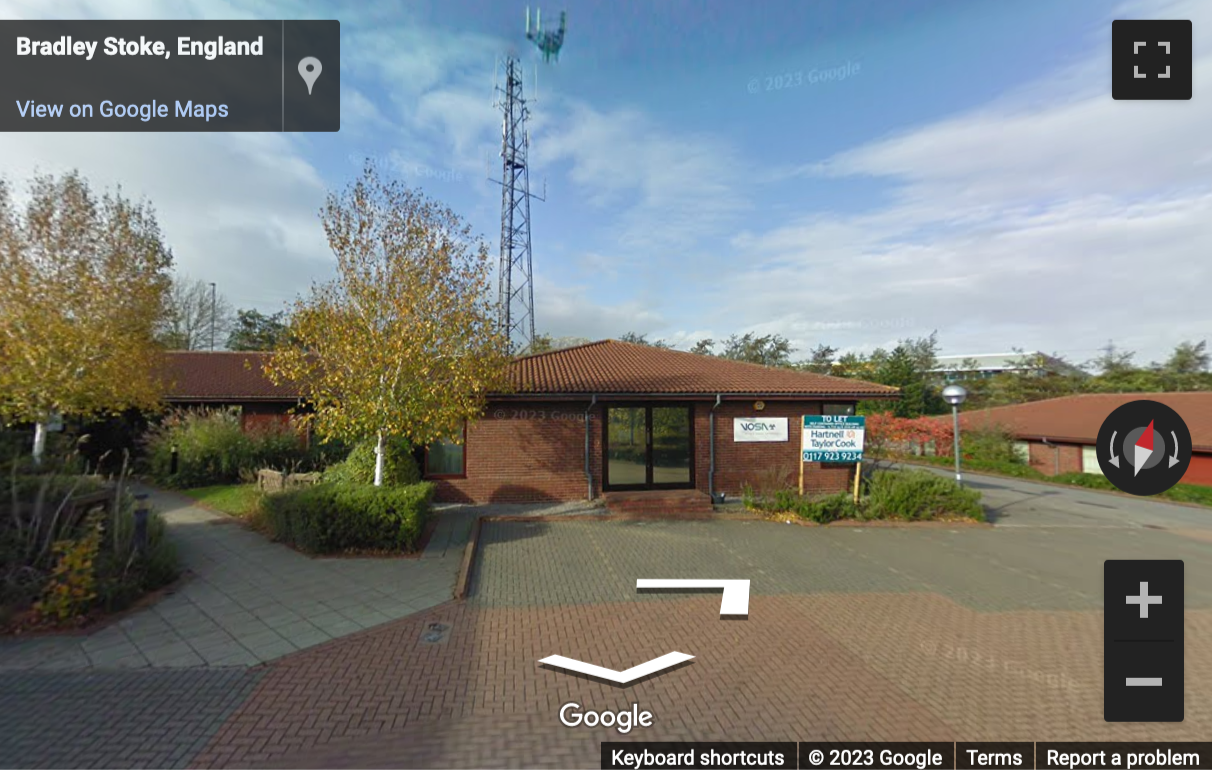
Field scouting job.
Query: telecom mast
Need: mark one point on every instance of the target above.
(515, 289)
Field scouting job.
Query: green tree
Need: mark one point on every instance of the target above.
(768, 350)
(254, 330)
(910, 367)
(1112, 362)
(820, 360)
(1189, 358)
(542, 343)
(404, 342)
(83, 281)
(545, 343)
(704, 347)
(642, 339)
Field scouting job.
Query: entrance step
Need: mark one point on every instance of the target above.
(659, 502)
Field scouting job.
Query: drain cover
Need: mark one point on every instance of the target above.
(435, 633)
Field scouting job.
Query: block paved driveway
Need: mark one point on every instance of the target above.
(854, 633)
(150, 690)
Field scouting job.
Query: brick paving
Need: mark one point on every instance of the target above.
(854, 633)
(115, 718)
(250, 600)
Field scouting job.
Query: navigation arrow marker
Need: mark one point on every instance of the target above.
(1114, 457)
(1174, 459)
(736, 592)
(618, 677)
(1143, 449)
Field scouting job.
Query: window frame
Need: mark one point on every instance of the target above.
(425, 474)
(851, 406)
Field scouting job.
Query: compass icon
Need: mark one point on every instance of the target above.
(1144, 447)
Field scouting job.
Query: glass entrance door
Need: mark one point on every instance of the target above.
(649, 447)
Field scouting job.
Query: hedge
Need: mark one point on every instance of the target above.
(338, 517)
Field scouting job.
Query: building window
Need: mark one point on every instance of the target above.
(837, 409)
(447, 458)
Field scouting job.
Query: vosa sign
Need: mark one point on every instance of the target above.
(746, 429)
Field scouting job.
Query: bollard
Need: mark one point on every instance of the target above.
(141, 513)
(172, 469)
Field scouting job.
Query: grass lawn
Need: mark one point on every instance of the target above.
(235, 499)
(1182, 493)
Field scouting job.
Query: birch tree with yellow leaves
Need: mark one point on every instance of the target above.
(83, 282)
(404, 341)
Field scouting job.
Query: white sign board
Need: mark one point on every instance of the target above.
(833, 438)
(746, 429)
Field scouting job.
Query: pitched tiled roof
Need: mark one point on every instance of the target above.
(608, 367)
(1078, 418)
(221, 376)
(613, 367)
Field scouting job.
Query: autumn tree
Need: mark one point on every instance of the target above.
(82, 283)
(195, 317)
(404, 341)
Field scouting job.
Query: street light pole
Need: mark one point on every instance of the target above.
(955, 395)
(959, 479)
(213, 308)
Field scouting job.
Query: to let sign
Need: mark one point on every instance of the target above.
(832, 438)
(759, 429)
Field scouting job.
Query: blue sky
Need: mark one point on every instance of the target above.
(971, 175)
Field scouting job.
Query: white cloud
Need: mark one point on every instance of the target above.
(1054, 218)
(675, 190)
(570, 311)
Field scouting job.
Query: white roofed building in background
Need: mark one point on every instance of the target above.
(971, 367)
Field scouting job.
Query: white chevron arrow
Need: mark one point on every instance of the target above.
(618, 677)
(736, 592)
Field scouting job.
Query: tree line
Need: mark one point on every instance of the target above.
(912, 365)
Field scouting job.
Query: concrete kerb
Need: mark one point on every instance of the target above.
(467, 567)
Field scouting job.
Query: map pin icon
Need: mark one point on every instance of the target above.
(310, 68)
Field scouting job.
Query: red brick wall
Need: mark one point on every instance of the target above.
(1044, 458)
(760, 463)
(535, 452)
(527, 452)
(1199, 471)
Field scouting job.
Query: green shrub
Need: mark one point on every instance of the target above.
(336, 517)
(212, 448)
(822, 510)
(75, 564)
(919, 496)
(993, 444)
(399, 465)
(1087, 480)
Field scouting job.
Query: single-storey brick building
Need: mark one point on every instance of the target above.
(214, 379)
(602, 417)
(1058, 435)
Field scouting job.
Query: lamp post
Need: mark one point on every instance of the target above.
(213, 307)
(955, 395)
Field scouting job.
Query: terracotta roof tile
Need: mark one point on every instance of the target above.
(611, 366)
(608, 367)
(220, 376)
(1078, 418)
